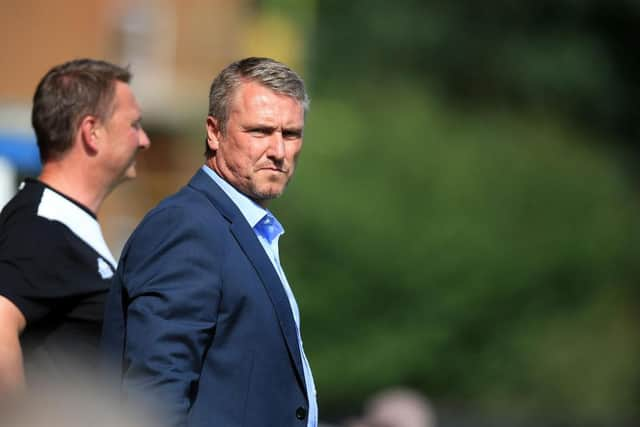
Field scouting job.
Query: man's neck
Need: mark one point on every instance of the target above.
(75, 183)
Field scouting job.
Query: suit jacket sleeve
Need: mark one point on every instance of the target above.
(171, 280)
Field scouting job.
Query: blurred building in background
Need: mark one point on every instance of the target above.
(174, 48)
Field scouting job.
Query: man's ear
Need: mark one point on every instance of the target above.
(89, 131)
(213, 133)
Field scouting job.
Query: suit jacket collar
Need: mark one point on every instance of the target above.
(248, 241)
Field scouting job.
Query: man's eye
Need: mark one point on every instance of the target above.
(291, 134)
(259, 132)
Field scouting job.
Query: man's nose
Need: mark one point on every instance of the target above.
(143, 140)
(276, 146)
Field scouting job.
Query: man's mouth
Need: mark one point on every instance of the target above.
(273, 169)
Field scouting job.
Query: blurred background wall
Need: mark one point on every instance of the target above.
(465, 220)
(174, 48)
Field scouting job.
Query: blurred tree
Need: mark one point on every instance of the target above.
(576, 57)
(459, 222)
(486, 258)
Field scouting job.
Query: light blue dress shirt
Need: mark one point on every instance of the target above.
(253, 213)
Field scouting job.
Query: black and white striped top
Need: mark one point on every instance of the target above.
(56, 268)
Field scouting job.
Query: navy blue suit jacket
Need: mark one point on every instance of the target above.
(198, 320)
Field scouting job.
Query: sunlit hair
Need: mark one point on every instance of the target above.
(68, 93)
(265, 71)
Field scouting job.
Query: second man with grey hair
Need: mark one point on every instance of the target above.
(201, 317)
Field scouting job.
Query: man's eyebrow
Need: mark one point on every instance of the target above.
(258, 127)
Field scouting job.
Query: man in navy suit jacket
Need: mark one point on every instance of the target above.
(201, 319)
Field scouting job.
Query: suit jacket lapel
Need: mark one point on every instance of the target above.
(249, 243)
(255, 252)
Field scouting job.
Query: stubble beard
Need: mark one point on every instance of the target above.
(266, 192)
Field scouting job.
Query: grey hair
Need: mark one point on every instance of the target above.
(265, 71)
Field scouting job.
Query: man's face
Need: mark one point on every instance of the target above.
(257, 153)
(124, 135)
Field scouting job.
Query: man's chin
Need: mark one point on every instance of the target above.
(130, 173)
(263, 197)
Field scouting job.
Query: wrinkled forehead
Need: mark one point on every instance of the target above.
(256, 99)
(253, 86)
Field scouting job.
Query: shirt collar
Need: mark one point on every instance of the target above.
(251, 211)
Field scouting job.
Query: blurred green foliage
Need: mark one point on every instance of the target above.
(481, 257)
(575, 57)
(459, 222)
